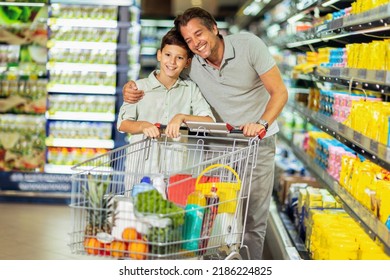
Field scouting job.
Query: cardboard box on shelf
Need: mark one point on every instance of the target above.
(285, 182)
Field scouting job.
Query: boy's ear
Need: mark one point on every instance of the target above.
(188, 63)
(159, 55)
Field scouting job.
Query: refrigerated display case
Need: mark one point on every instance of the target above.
(67, 76)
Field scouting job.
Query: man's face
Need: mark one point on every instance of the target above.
(173, 59)
(199, 38)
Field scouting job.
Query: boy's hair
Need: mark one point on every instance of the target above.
(206, 18)
(174, 38)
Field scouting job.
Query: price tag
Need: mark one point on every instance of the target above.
(362, 73)
(341, 128)
(380, 76)
(374, 146)
(357, 137)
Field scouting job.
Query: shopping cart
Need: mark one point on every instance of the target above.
(196, 210)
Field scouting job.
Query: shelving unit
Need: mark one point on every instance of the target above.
(282, 34)
(84, 73)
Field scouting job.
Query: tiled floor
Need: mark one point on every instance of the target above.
(40, 232)
(35, 232)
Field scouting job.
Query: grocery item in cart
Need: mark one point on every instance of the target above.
(143, 186)
(211, 211)
(193, 220)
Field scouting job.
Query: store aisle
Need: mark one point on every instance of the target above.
(35, 232)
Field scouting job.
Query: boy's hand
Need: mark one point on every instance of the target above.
(150, 130)
(131, 94)
(173, 127)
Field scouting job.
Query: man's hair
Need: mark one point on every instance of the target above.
(205, 17)
(173, 37)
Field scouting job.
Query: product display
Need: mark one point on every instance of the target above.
(63, 62)
(62, 68)
(346, 143)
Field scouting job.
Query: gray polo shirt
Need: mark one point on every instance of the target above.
(235, 91)
(160, 104)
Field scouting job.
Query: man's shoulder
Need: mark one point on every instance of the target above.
(242, 39)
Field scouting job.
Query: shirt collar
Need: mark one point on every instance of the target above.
(156, 83)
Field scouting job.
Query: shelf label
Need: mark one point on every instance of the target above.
(357, 137)
(374, 146)
(380, 75)
(341, 128)
(362, 73)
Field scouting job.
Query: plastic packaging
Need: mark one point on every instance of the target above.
(194, 213)
(211, 212)
(160, 186)
(143, 186)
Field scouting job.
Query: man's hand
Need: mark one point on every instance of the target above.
(131, 94)
(251, 129)
(173, 127)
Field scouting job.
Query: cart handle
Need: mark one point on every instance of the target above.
(214, 166)
(164, 126)
(229, 127)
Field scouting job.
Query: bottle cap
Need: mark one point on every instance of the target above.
(145, 179)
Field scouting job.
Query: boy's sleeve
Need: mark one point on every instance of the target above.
(199, 105)
(127, 112)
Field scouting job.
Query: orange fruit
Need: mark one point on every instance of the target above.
(129, 234)
(138, 250)
(92, 246)
(117, 249)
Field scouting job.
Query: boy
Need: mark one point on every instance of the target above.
(168, 99)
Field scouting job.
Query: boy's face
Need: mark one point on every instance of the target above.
(173, 59)
(201, 40)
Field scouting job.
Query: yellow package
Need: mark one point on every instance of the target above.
(383, 198)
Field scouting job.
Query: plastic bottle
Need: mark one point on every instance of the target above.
(143, 186)
(194, 212)
(160, 186)
(211, 212)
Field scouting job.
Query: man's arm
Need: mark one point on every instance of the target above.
(273, 82)
(131, 93)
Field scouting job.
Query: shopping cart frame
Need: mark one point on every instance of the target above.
(240, 152)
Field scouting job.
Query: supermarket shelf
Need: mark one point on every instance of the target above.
(82, 45)
(327, 38)
(24, 4)
(85, 89)
(66, 66)
(81, 143)
(95, 23)
(362, 215)
(277, 237)
(26, 194)
(376, 80)
(95, 2)
(370, 149)
(62, 169)
(81, 116)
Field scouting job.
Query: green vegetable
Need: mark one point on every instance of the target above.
(13, 12)
(162, 240)
(152, 202)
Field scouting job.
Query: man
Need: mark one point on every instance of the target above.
(239, 78)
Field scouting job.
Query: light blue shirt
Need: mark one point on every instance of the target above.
(160, 105)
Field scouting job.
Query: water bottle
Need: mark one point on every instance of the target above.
(143, 186)
(194, 212)
(160, 186)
